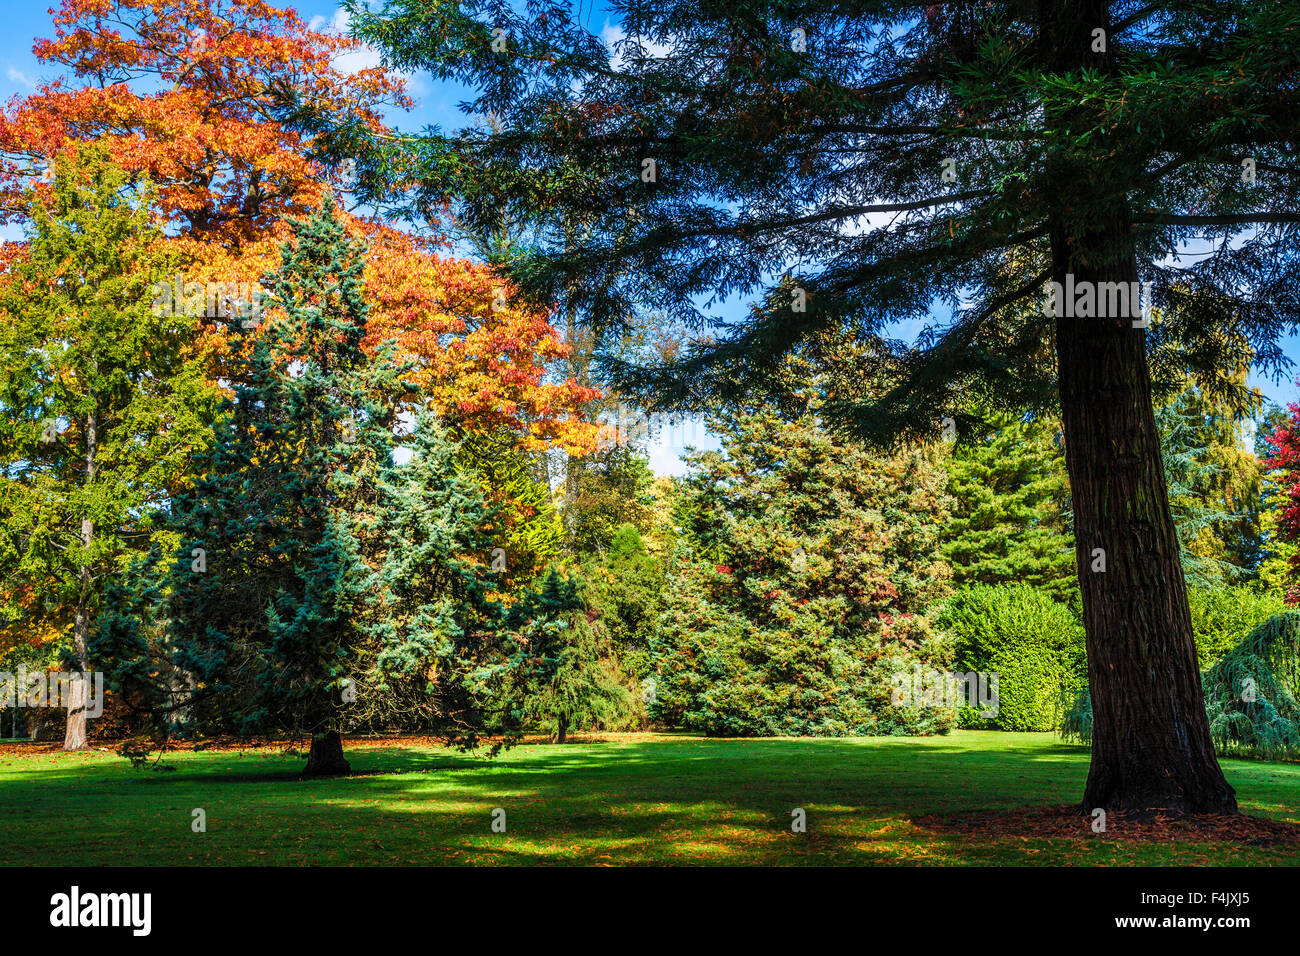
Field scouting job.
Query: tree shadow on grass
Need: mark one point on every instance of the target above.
(668, 801)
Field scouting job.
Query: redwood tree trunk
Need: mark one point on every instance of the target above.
(326, 757)
(1151, 745)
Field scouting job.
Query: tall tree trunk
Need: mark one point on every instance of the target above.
(1151, 744)
(75, 737)
(326, 756)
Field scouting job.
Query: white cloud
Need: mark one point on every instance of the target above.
(350, 61)
(611, 33)
(21, 78)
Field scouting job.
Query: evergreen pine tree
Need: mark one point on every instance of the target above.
(1011, 501)
(565, 676)
(437, 645)
(267, 589)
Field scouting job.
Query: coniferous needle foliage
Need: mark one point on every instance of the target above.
(1253, 693)
(266, 593)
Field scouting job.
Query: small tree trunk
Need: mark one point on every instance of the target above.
(326, 757)
(561, 729)
(75, 737)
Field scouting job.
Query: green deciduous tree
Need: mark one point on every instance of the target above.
(602, 492)
(104, 402)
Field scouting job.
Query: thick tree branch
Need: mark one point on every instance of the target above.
(1244, 219)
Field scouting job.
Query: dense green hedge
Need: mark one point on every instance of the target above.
(1033, 643)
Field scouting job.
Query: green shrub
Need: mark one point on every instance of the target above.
(1033, 643)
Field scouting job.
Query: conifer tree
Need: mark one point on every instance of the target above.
(267, 590)
(799, 589)
(565, 675)
(630, 598)
(103, 402)
(437, 648)
(1214, 487)
(1011, 502)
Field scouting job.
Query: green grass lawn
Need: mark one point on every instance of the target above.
(631, 799)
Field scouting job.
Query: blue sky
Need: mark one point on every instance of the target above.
(436, 103)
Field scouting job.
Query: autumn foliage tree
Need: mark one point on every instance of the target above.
(199, 96)
(1282, 461)
(205, 100)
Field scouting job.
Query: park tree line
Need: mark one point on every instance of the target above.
(289, 537)
(845, 169)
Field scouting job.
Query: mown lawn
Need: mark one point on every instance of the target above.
(643, 798)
